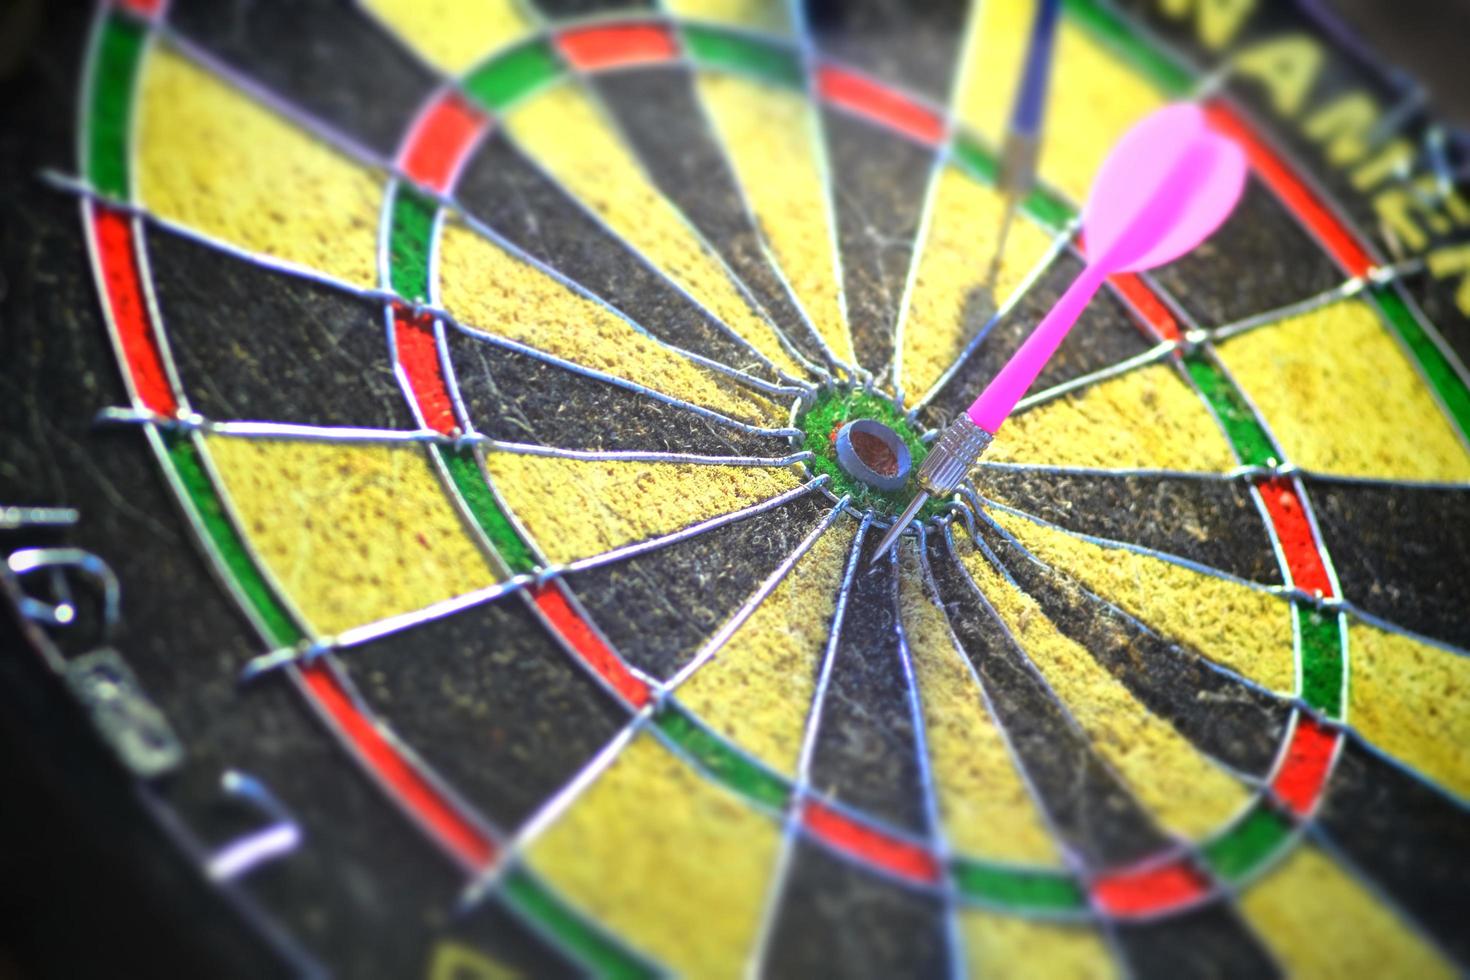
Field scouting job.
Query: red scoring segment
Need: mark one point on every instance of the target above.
(1149, 306)
(907, 860)
(113, 238)
(585, 642)
(472, 846)
(440, 142)
(865, 97)
(1168, 886)
(143, 8)
(1303, 773)
(1279, 175)
(1308, 572)
(593, 48)
(112, 234)
(1133, 289)
(418, 355)
(432, 156)
(1307, 763)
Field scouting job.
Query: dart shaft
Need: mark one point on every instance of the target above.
(1015, 183)
(1031, 96)
(1023, 131)
(1010, 385)
(1017, 172)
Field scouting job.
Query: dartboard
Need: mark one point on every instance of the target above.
(447, 443)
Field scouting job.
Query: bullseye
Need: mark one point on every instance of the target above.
(872, 452)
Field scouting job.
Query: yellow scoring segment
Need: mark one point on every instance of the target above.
(1011, 947)
(489, 289)
(575, 509)
(771, 139)
(1240, 628)
(1092, 99)
(1183, 789)
(352, 532)
(215, 161)
(1319, 922)
(963, 229)
(757, 691)
(771, 16)
(986, 809)
(452, 35)
(563, 131)
(657, 821)
(1407, 698)
(1146, 419)
(1310, 372)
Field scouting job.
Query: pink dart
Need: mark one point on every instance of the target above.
(1166, 187)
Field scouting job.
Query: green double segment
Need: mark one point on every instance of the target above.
(602, 955)
(117, 58)
(188, 466)
(114, 71)
(1446, 382)
(1036, 890)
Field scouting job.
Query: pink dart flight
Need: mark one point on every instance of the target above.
(1167, 185)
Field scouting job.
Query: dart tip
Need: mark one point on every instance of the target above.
(886, 544)
(891, 537)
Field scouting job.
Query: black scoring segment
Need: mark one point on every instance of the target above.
(1105, 335)
(558, 10)
(1259, 260)
(881, 179)
(838, 920)
(1408, 838)
(1211, 941)
(492, 702)
(664, 124)
(912, 46)
(866, 753)
(328, 58)
(512, 195)
(1402, 552)
(1210, 521)
(519, 398)
(657, 609)
(1225, 718)
(1091, 810)
(360, 864)
(255, 343)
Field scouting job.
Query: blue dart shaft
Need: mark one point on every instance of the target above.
(1023, 134)
(1030, 101)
